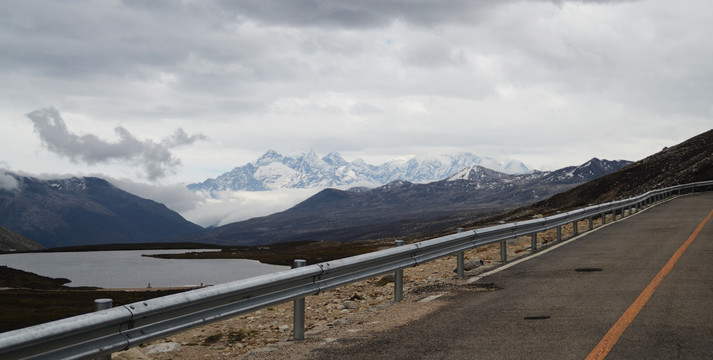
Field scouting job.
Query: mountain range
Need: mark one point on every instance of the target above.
(276, 171)
(85, 211)
(400, 206)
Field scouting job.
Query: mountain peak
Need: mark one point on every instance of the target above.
(475, 173)
(516, 167)
(334, 159)
(269, 157)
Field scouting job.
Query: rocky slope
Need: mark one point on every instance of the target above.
(85, 211)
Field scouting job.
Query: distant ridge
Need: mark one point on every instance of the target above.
(276, 171)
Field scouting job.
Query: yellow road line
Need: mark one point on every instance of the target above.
(612, 336)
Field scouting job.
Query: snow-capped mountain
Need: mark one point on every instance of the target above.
(276, 171)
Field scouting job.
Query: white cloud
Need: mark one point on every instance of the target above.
(230, 206)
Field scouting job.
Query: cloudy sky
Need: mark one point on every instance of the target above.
(162, 93)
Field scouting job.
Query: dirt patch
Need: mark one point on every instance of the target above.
(20, 308)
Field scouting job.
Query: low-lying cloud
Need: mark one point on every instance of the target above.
(154, 158)
(217, 208)
(7, 181)
(226, 207)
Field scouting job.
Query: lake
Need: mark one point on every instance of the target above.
(128, 269)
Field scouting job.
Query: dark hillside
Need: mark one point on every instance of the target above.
(85, 211)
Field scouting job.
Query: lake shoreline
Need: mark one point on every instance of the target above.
(282, 254)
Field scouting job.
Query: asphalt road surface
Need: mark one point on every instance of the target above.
(562, 303)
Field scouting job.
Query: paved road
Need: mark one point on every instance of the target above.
(544, 309)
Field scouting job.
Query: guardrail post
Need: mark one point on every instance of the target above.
(591, 223)
(533, 246)
(298, 323)
(103, 304)
(559, 233)
(503, 251)
(398, 279)
(575, 227)
(604, 218)
(460, 260)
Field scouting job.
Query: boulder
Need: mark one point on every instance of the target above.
(163, 348)
(350, 305)
(469, 265)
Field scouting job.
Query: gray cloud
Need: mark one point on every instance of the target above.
(155, 158)
(361, 14)
(373, 13)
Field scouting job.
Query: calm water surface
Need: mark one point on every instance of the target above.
(128, 269)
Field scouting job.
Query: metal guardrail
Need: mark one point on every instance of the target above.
(103, 332)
